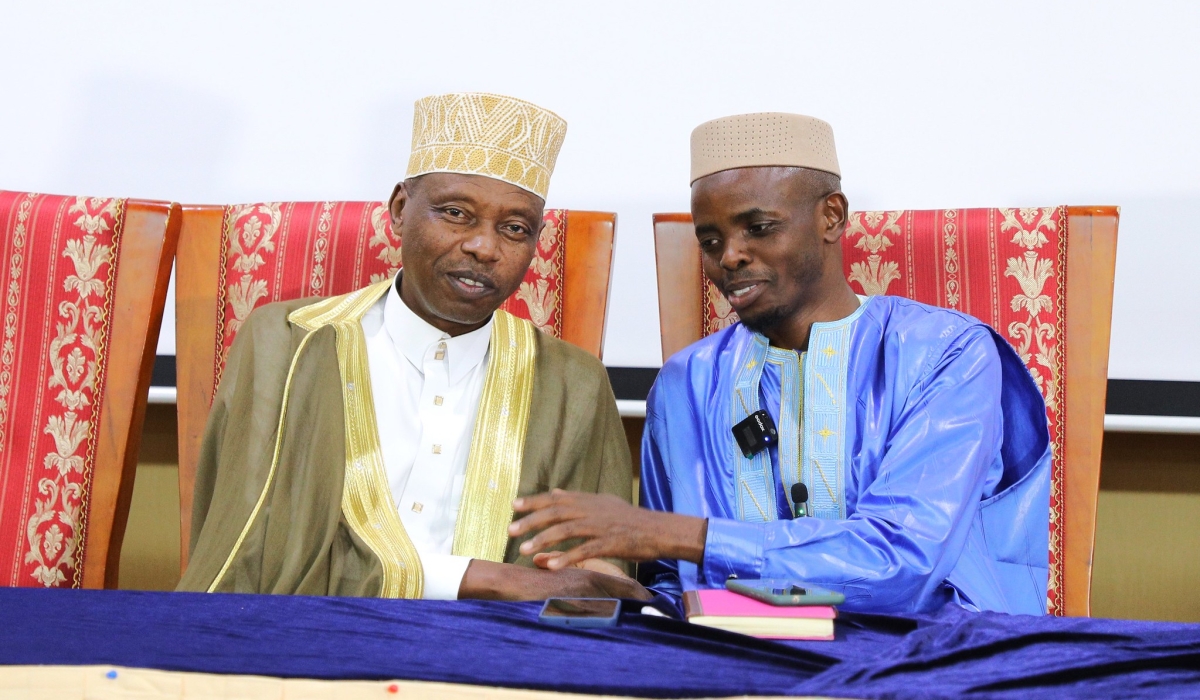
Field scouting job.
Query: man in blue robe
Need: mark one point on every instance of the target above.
(918, 436)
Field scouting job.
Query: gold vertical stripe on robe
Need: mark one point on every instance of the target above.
(498, 443)
(366, 495)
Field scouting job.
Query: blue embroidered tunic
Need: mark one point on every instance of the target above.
(918, 432)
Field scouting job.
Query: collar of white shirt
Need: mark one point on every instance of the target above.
(414, 338)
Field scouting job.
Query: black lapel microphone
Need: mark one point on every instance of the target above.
(799, 498)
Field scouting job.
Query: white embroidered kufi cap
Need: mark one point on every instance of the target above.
(478, 133)
(763, 139)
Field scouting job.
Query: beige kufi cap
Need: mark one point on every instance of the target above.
(763, 139)
(477, 133)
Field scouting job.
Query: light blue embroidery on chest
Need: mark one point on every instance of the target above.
(814, 409)
(825, 410)
(755, 488)
(756, 496)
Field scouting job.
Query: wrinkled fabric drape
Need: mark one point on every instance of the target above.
(950, 654)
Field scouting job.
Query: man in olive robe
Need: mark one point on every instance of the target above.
(372, 444)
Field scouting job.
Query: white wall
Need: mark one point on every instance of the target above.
(933, 105)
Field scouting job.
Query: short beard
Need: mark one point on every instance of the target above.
(767, 320)
(807, 273)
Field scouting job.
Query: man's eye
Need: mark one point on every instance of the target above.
(517, 230)
(760, 228)
(708, 244)
(454, 211)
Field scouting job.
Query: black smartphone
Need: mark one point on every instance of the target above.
(784, 592)
(581, 612)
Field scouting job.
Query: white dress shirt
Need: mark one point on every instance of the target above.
(426, 387)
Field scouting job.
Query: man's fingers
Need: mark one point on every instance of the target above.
(546, 538)
(542, 559)
(552, 536)
(541, 519)
(601, 566)
(592, 549)
(538, 501)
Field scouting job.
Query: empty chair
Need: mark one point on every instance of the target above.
(85, 281)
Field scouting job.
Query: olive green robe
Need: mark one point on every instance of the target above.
(300, 540)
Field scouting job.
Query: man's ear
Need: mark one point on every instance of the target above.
(396, 206)
(834, 210)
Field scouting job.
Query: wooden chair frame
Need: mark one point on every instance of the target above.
(587, 260)
(148, 240)
(1091, 263)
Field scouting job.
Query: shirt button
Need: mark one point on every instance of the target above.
(437, 401)
(417, 507)
(441, 352)
(437, 449)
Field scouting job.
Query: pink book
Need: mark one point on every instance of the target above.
(734, 612)
(725, 603)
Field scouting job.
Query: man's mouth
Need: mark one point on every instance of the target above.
(470, 284)
(742, 294)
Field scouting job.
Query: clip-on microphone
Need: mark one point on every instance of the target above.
(799, 499)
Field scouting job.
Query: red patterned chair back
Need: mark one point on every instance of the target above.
(1039, 276)
(236, 258)
(84, 280)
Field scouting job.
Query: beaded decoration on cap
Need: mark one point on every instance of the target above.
(482, 134)
(763, 140)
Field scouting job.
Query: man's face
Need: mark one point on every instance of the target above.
(466, 242)
(765, 233)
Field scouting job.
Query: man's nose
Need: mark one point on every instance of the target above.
(735, 255)
(483, 244)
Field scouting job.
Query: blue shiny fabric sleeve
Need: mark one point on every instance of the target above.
(911, 521)
(661, 576)
(914, 509)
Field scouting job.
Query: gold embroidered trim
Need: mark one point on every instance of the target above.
(498, 443)
(366, 496)
(750, 493)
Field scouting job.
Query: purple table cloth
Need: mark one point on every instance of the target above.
(949, 654)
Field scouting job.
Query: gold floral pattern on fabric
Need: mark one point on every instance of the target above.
(950, 257)
(12, 300)
(714, 307)
(275, 251)
(869, 231)
(482, 134)
(539, 298)
(388, 242)
(1035, 334)
(718, 314)
(1038, 334)
(62, 254)
(249, 239)
(316, 284)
